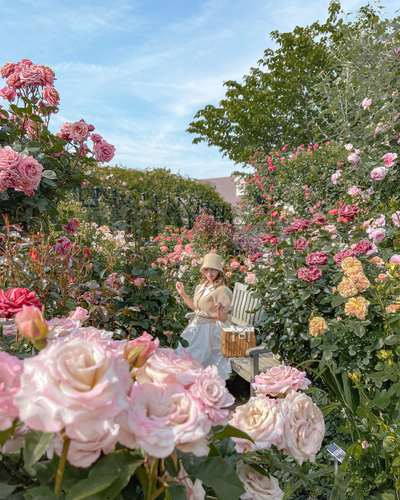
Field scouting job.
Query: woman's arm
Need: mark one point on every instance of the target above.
(223, 303)
(181, 290)
(222, 316)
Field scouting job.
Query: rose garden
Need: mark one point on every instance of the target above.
(94, 402)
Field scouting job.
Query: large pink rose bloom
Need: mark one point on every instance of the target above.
(30, 173)
(12, 301)
(160, 419)
(210, 389)
(379, 173)
(280, 380)
(304, 427)
(10, 375)
(103, 151)
(165, 367)
(317, 259)
(9, 159)
(68, 383)
(79, 131)
(261, 420)
(88, 440)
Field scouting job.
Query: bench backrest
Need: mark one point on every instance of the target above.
(243, 301)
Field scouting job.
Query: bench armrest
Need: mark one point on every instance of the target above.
(260, 349)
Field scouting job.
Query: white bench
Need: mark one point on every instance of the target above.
(260, 358)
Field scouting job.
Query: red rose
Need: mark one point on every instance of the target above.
(310, 274)
(12, 301)
(364, 246)
(300, 244)
(349, 211)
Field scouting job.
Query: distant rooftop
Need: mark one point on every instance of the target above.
(227, 187)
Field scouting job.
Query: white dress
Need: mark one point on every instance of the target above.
(205, 341)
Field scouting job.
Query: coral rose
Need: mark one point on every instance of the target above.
(258, 486)
(304, 427)
(11, 369)
(317, 326)
(358, 307)
(261, 420)
(280, 380)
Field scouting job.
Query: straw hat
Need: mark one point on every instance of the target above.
(213, 261)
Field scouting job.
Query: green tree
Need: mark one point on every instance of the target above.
(274, 103)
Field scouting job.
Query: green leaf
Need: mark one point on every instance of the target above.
(35, 445)
(122, 464)
(176, 491)
(7, 489)
(228, 431)
(216, 473)
(49, 174)
(40, 493)
(396, 466)
(90, 486)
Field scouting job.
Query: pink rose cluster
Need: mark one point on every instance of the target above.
(297, 226)
(19, 173)
(24, 76)
(291, 422)
(98, 392)
(79, 132)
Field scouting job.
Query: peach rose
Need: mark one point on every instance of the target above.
(361, 281)
(304, 427)
(351, 266)
(261, 420)
(317, 326)
(347, 288)
(357, 306)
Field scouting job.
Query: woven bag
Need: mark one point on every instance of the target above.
(236, 341)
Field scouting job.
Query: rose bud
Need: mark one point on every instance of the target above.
(32, 325)
(139, 350)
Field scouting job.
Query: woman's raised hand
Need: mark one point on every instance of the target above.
(180, 288)
(218, 306)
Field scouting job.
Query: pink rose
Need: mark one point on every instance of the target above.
(377, 235)
(336, 177)
(139, 281)
(210, 389)
(353, 191)
(395, 259)
(300, 244)
(70, 383)
(261, 420)
(353, 158)
(310, 274)
(137, 351)
(72, 226)
(363, 246)
(340, 256)
(379, 173)
(8, 93)
(65, 131)
(389, 157)
(14, 299)
(317, 259)
(103, 151)
(257, 485)
(31, 323)
(30, 173)
(366, 103)
(304, 427)
(159, 419)
(79, 131)
(63, 246)
(51, 95)
(88, 440)
(349, 147)
(319, 218)
(280, 380)
(9, 159)
(10, 375)
(96, 138)
(396, 218)
(79, 315)
(349, 211)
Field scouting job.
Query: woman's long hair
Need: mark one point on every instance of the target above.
(219, 280)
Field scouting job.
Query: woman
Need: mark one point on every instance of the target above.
(211, 303)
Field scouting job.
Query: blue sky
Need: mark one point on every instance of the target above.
(139, 70)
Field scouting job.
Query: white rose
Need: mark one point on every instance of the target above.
(261, 420)
(258, 486)
(304, 427)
